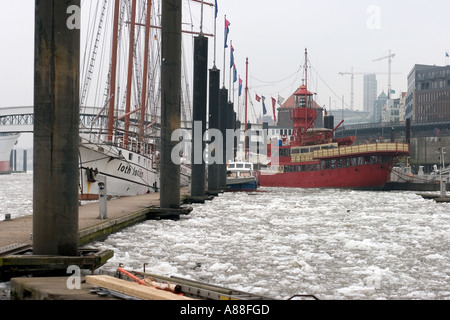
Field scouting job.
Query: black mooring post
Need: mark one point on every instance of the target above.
(25, 168)
(171, 104)
(214, 123)
(223, 106)
(199, 115)
(408, 130)
(56, 128)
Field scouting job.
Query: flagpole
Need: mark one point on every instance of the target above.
(224, 50)
(215, 29)
(229, 94)
(239, 106)
(201, 20)
(233, 90)
(246, 102)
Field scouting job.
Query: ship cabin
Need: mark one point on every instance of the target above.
(331, 156)
(239, 169)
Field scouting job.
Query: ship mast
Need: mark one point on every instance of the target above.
(144, 85)
(304, 113)
(130, 73)
(306, 68)
(112, 89)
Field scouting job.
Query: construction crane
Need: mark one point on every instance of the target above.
(352, 73)
(390, 56)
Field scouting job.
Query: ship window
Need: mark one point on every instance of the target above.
(248, 166)
(130, 156)
(345, 163)
(239, 165)
(339, 163)
(232, 166)
(333, 164)
(360, 161)
(366, 159)
(374, 159)
(285, 152)
(384, 159)
(305, 150)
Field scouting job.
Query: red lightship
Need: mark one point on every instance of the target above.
(314, 158)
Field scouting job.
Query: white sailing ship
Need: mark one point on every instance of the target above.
(120, 73)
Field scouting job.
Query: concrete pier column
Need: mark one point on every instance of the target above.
(214, 123)
(199, 115)
(171, 102)
(56, 128)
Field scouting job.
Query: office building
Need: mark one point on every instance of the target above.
(370, 93)
(428, 96)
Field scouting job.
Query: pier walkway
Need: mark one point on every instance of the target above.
(121, 213)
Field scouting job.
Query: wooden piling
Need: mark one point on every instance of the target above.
(56, 129)
(199, 115)
(171, 102)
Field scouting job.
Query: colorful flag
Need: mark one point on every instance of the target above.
(274, 102)
(234, 74)
(446, 54)
(280, 100)
(240, 86)
(258, 98)
(231, 55)
(264, 105)
(227, 31)
(217, 10)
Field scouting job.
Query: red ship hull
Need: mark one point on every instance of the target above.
(368, 176)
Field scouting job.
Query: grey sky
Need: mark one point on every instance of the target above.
(339, 35)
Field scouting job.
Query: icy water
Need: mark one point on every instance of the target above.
(334, 244)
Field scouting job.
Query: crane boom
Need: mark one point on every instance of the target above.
(389, 56)
(352, 94)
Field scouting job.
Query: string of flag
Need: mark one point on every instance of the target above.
(235, 78)
(262, 99)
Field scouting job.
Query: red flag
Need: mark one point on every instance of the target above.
(258, 98)
(227, 31)
(274, 102)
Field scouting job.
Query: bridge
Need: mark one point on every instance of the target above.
(16, 120)
(21, 120)
(393, 130)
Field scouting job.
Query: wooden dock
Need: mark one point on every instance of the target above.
(16, 234)
(121, 213)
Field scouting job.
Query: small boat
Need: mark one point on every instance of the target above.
(7, 142)
(241, 176)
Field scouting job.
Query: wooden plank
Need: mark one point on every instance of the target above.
(133, 289)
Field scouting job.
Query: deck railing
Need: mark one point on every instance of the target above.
(351, 150)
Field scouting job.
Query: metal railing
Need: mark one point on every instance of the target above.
(361, 149)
